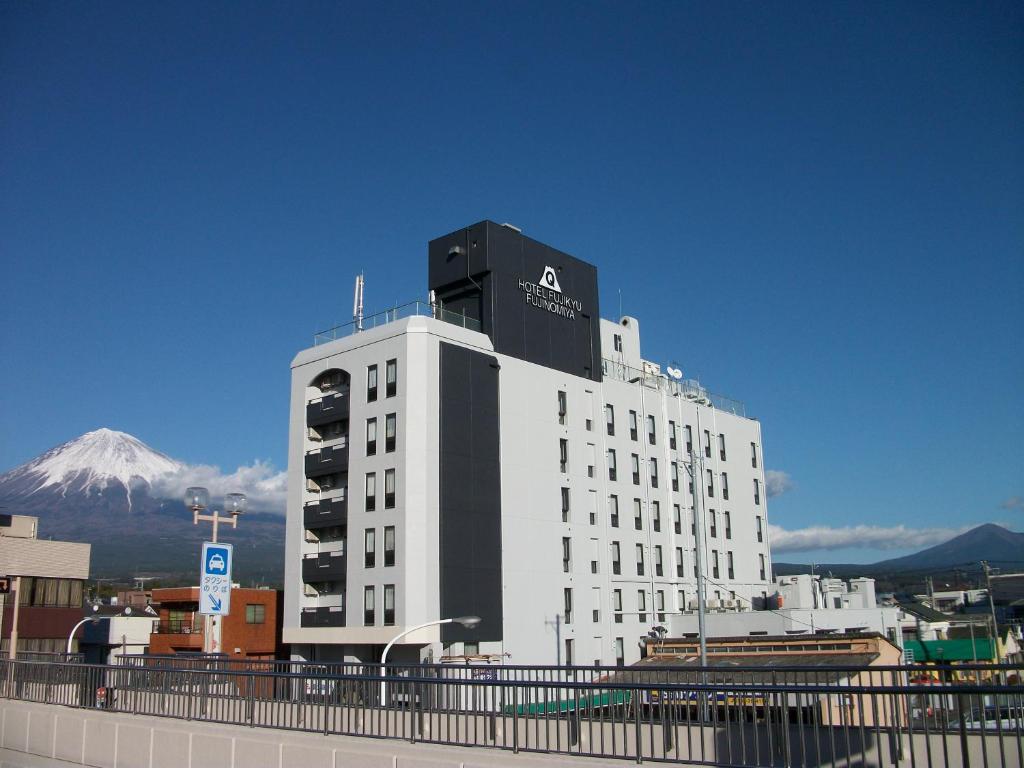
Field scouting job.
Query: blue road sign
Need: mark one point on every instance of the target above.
(215, 579)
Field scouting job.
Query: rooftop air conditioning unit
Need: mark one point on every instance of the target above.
(714, 604)
(729, 603)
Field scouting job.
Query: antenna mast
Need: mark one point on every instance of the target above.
(357, 303)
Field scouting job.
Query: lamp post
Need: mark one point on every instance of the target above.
(467, 621)
(197, 499)
(95, 617)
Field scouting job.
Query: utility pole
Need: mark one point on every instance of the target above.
(992, 608)
(930, 586)
(557, 624)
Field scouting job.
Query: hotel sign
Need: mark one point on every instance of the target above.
(547, 295)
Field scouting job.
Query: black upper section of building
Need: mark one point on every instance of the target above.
(536, 303)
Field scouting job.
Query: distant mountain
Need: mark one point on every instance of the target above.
(986, 542)
(997, 545)
(102, 488)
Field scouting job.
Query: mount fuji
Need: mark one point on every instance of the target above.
(113, 491)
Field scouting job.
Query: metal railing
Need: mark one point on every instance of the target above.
(412, 309)
(688, 389)
(753, 716)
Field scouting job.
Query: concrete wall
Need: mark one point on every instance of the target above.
(39, 735)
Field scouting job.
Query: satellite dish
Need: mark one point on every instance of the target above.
(675, 373)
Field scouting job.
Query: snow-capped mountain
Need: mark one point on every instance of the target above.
(112, 490)
(92, 463)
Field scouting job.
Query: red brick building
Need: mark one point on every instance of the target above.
(251, 631)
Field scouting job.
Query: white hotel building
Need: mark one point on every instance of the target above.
(510, 456)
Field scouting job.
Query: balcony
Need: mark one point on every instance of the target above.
(325, 513)
(178, 627)
(324, 410)
(323, 617)
(326, 461)
(325, 566)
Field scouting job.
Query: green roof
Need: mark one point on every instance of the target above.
(938, 651)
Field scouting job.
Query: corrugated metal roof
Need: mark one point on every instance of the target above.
(746, 668)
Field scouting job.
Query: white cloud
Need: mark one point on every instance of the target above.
(858, 537)
(1014, 502)
(777, 482)
(265, 488)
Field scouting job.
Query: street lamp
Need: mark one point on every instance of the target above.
(95, 618)
(467, 621)
(197, 499)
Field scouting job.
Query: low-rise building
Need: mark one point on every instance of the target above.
(46, 581)
(252, 630)
(801, 605)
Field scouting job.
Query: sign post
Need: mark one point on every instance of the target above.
(215, 590)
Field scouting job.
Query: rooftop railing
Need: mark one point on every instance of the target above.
(412, 309)
(688, 389)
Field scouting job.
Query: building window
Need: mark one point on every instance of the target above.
(617, 341)
(639, 559)
(656, 516)
(693, 559)
(672, 435)
(389, 605)
(707, 444)
(561, 407)
(713, 522)
(389, 489)
(588, 403)
(565, 504)
(760, 531)
(369, 548)
(721, 446)
(674, 468)
(255, 613)
(651, 431)
(757, 491)
(371, 491)
(632, 425)
(616, 559)
(711, 483)
(592, 506)
(660, 604)
(753, 455)
(638, 518)
(563, 455)
(371, 383)
(609, 417)
(714, 563)
(677, 519)
(594, 555)
(596, 614)
(389, 545)
(689, 439)
(620, 652)
(641, 605)
(612, 471)
(368, 618)
(635, 461)
(566, 554)
(728, 525)
(679, 562)
(617, 605)
(390, 428)
(730, 572)
(569, 657)
(567, 598)
(654, 473)
(761, 563)
(725, 486)
(658, 566)
(693, 522)
(613, 510)
(371, 437)
(391, 378)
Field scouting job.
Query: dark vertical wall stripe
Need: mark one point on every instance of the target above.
(470, 498)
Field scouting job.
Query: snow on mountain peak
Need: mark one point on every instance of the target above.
(96, 460)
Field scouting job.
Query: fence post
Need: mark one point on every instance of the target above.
(639, 735)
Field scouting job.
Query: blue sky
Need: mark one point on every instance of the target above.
(816, 208)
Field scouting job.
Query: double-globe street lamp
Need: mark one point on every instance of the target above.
(467, 621)
(197, 499)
